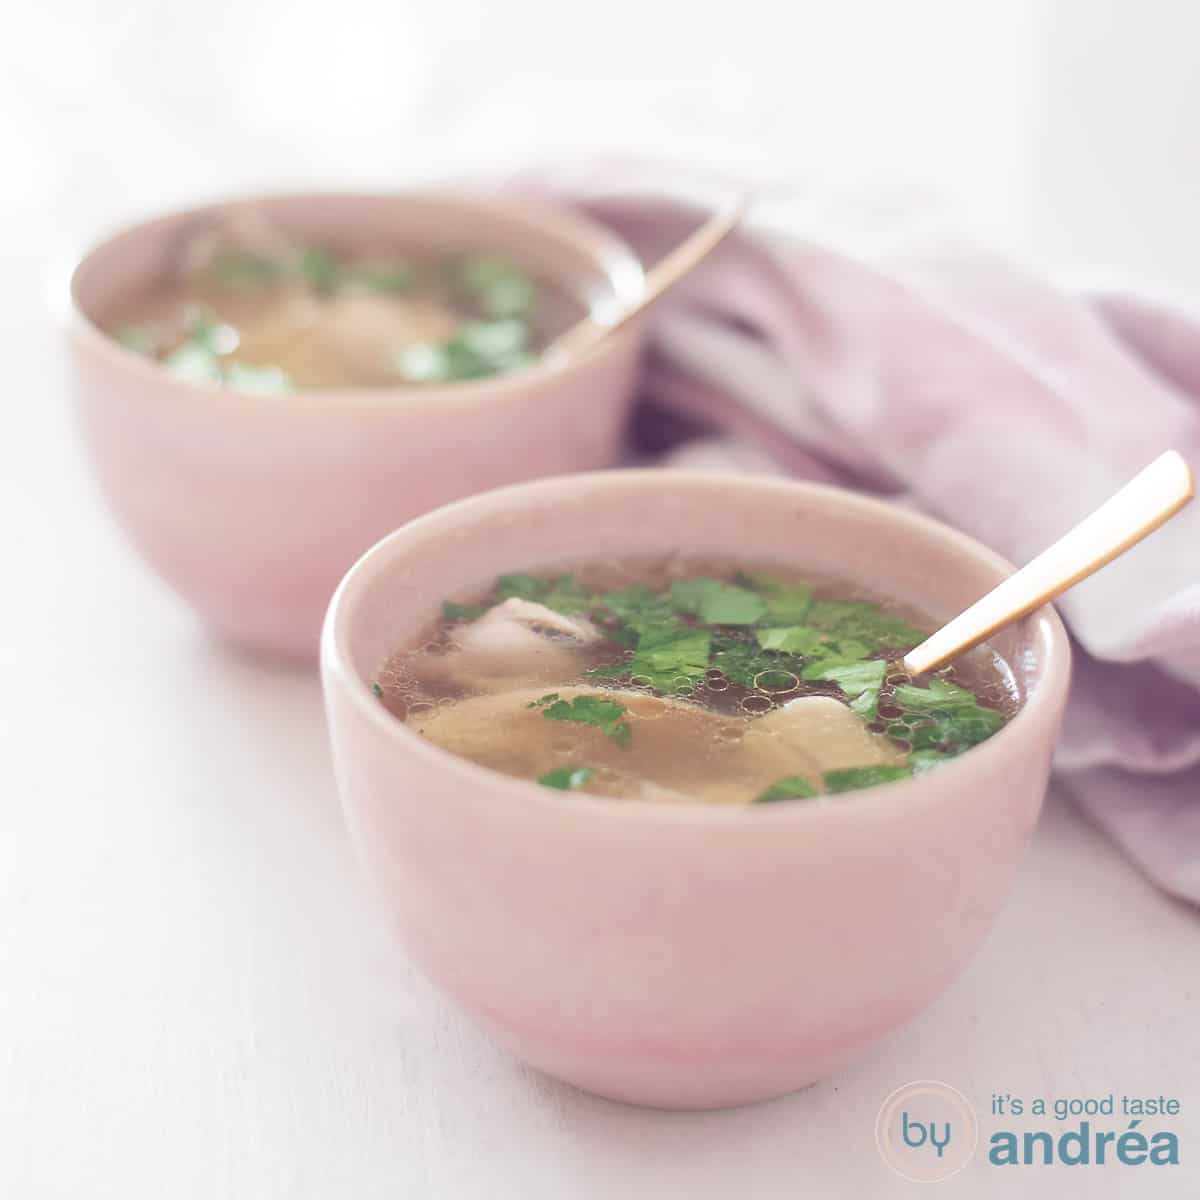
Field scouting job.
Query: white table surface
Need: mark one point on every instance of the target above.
(197, 999)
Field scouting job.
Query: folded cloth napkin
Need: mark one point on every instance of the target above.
(957, 383)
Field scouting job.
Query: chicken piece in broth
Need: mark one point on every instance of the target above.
(514, 644)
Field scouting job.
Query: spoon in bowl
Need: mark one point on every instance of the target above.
(1148, 500)
(667, 272)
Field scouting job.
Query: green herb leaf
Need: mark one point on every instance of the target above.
(242, 270)
(493, 339)
(927, 760)
(209, 333)
(561, 592)
(853, 678)
(641, 608)
(866, 704)
(193, 363)
(606, 715)
(462, 612)
(565, 595)
(866, 623)
(687, 595)
(259, 381)
(477, 349)
(136, 338)
(379, 276)
(501, 287)
(860, 681)
(851, 778)
(950, 717)
(791, 787)
(716, 602)
(670, 659)
(566, 779)
(787, 603)
(741, 660)
(526, 587)
(319, 268)
(792, 639)
(940, 693)
(423, 362)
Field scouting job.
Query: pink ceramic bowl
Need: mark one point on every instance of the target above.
(253, 507)
(677, 956)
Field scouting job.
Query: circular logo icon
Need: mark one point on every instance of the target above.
(926, 1131)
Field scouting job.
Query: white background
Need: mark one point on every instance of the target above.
(196, 998)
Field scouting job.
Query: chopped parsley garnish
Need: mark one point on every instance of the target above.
(940, 694)
(764, 636)
(258, 381)
(424, 362)
(850, 778)
(787, 603)
(501, 288)
(669, 659)
(943, 716)
(791, 787)
(741, 660)
(476, 349)
(239, 270)
(566, 779)
(204, 357)
(866, 624)
(560, 593)
(388, 276)
(927, 760)
(490, 304)
(462, 612)
(137, 338)
(640, 608)
(860, 681)
(209, 333)
(193, 363)
(606, 715)
(791, 639)
(717, 603)
(319, 268)
(852, 677)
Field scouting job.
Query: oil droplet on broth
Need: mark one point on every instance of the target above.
(645, 707)
(776, 680)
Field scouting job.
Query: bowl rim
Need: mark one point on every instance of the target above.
(610, 254)
(1043, 705)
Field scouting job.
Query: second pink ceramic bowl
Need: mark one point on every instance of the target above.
(680, 956)
(253, 507)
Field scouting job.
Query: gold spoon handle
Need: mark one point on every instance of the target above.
(1148, 500)
(667, 272)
